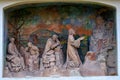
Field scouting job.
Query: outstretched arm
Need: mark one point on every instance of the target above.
(81, 38)
(76, 43)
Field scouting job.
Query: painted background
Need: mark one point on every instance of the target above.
(109, 2)
(38, 22)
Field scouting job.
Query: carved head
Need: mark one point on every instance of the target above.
(54, 37)
(71, 32)
(109, 24)
(12, 39)
(99, 20)
(29, 44)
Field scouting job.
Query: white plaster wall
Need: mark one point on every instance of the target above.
(8, 3)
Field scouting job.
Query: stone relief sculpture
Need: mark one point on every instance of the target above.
(15, 61)
(111, 43)
(100, 42)
(33, 61)
(96, 61)
(52, 55)
(73, 59)
(96, 43)
(52, 60)
(25, 55)
(94, 68)
(79, 42)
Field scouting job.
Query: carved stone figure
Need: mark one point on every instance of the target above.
(97, 42)
(112, 56)
(15, 61)
(52, 55)
(26, 54)
(33, 61)
(91, 66)
(97, 38)
(110, 33)
(73, 59)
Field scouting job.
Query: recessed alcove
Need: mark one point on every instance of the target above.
(37, 22)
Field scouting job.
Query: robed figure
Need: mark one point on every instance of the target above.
(73, 59)
(52, 55)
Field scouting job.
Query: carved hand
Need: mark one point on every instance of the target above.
(81, 38)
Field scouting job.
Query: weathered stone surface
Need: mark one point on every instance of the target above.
(51, 56)
(75, 72)
(111, 60)
(14, 61)
(91, 66)
(19, 74)
(52, 63)
(112, 71)
(7, 73)
(33, 61)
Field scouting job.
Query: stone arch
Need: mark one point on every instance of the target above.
(20, 3)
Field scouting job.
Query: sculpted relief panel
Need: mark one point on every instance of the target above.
(66, 39)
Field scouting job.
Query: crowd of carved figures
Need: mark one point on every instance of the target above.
(96, 60)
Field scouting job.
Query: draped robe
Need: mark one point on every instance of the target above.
(73, 58)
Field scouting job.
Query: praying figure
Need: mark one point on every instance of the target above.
(15, 61)
(33, 60)
(52, 55)
(73, 59)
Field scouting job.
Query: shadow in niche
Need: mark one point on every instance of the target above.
(37, 22)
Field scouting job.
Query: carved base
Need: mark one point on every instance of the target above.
(51, 72)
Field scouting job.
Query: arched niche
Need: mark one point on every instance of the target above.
(41, 18)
